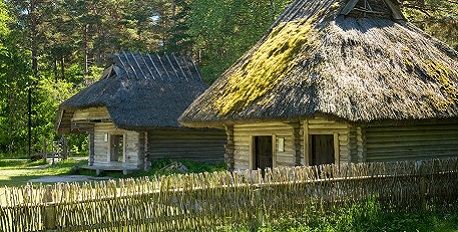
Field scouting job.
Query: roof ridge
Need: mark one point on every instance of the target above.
(147, 66)
(166, 66)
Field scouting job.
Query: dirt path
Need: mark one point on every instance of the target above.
(67, 178)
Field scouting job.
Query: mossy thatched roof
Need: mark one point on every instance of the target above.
(314, 60)
(140, 91)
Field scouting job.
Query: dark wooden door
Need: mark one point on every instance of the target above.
(117, 148)
(322, 149)
(263, 152)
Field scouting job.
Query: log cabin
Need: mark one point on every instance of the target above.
(131, 113)
(336, 81)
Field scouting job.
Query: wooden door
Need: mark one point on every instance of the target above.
(117, 148)
(322, 149)
(263, 154)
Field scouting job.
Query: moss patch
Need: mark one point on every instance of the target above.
(335, 6)
(268, 65)
(441, 74)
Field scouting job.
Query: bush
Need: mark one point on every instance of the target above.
(157, 167)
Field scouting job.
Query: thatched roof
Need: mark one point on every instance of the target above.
(338, 58)
(140, 91)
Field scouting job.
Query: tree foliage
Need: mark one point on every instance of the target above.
(437, 17)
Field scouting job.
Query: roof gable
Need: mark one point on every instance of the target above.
(372, 8)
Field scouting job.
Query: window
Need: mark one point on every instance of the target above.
(280, 144)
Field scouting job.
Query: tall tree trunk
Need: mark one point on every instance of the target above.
(421, 4)
(56, 77)
(62, 68)
(272, 9)
(86, 52)
(33, 44)
(174, 12)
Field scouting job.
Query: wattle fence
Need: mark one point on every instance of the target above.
(201, 201)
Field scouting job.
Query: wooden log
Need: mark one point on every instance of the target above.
(229, 147)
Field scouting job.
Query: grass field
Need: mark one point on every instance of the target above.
(19, 171)
(16, 172)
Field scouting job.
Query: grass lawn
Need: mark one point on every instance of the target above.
(16, 172)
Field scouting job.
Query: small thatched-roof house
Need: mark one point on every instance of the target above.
(336, 81)
(131, 113)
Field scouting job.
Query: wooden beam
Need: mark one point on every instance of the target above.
(184, 61)
(336, 149)
(138, 65)
(110, 149)
(296, 126)
(172, 65)
(145, 153)
(91, 148)
(147, 66)
(348, 7)
(370, 11)
(124, 147)
(155, 67)
(251, 155)
(131, 67)
(306, 143)
(178, 63)
(395, 10)
(162, 64)
(274, 151)
(197, 70)
(229, 147)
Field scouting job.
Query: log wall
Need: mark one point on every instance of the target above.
(94, 113)
(389, 142)
(347, 141)
(203, 145)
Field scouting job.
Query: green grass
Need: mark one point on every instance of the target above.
(20, 163)
(362, 217)
(16, 172)
(19, 172)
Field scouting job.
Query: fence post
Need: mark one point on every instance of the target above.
(422, 186)
(48, 213)
(49, 217)
(423, 191)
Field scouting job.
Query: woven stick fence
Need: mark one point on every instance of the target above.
(201, 201)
